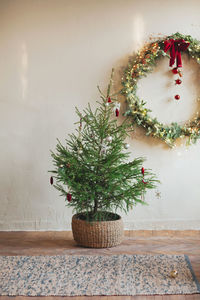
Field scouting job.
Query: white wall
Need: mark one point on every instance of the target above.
(52, 56)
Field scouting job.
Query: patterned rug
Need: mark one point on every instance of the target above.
(70, 275)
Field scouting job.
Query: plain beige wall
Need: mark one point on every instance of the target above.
(53, 54)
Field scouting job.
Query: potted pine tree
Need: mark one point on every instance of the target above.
(94, 175)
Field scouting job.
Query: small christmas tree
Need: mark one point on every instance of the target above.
(92, 171)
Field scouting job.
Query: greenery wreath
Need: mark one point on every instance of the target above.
(144, 63)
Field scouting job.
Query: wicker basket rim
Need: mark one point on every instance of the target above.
(74, 217)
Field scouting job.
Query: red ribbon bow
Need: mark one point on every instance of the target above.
(175, 47)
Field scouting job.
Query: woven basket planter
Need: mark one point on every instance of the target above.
(102, 234)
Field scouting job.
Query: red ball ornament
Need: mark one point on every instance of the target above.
(69, 197)
(117, 112)
(175, 71)
(51, 180)
(178, 81)
(142, 170)
(177, 97)
(109, 100)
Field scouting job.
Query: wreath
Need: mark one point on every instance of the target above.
(142, 64)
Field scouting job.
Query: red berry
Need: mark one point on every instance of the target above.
(117, 112)
(51, 180)
(142, 170)
(178, 81)
(144, 181)
(177, 97)
(109, 100)
(175, 71)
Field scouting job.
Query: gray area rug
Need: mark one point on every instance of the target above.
(70, 275)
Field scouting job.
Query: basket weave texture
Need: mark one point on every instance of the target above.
(102, 234)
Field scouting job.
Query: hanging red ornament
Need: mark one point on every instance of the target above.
(178, 81)
(142, 170)
(117, 112)
(51, 179)
(175, 71)
(177, 97)
(109, 100)
(144, 181)
(69, 197)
